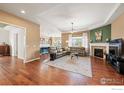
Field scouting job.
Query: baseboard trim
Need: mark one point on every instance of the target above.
(32, 60)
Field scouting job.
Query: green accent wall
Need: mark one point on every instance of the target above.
(105, 31)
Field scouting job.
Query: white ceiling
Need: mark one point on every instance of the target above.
(85, 16)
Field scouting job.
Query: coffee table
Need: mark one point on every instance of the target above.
(74, 55)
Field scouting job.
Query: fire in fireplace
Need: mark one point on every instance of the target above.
(98, 53)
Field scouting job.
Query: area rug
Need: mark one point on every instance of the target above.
(80, 65)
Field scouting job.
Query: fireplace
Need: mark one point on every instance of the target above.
(102, 48)
(98, 53)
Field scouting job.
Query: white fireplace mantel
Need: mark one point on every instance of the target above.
(99, 45)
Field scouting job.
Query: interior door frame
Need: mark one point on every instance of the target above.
(24, 29)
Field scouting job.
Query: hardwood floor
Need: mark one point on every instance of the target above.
(14, 72)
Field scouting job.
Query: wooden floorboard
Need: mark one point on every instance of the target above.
(14, 72)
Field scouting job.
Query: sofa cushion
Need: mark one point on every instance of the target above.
(64, 51)
(53, 50)
(59, 50)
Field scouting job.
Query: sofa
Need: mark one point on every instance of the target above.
(60, 52)
(80, 50)
(56, 52)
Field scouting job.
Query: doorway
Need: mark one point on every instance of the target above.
(16, 40)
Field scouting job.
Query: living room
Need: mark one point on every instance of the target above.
(100, 42)
(65, 45)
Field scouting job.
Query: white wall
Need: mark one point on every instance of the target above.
(21, 46)
(4, 36)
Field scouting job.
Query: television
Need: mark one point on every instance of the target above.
(117, 46)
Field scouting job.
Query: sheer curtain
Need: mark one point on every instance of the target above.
(70, 41)
(85, 40)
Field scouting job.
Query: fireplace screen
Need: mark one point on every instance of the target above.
(98, 53)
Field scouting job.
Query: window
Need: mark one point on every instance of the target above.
(78, 41)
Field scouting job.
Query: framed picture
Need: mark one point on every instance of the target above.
(98, 35)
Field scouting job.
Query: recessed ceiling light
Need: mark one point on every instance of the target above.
(23, 12)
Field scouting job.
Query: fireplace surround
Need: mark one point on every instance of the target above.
(103, 47)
